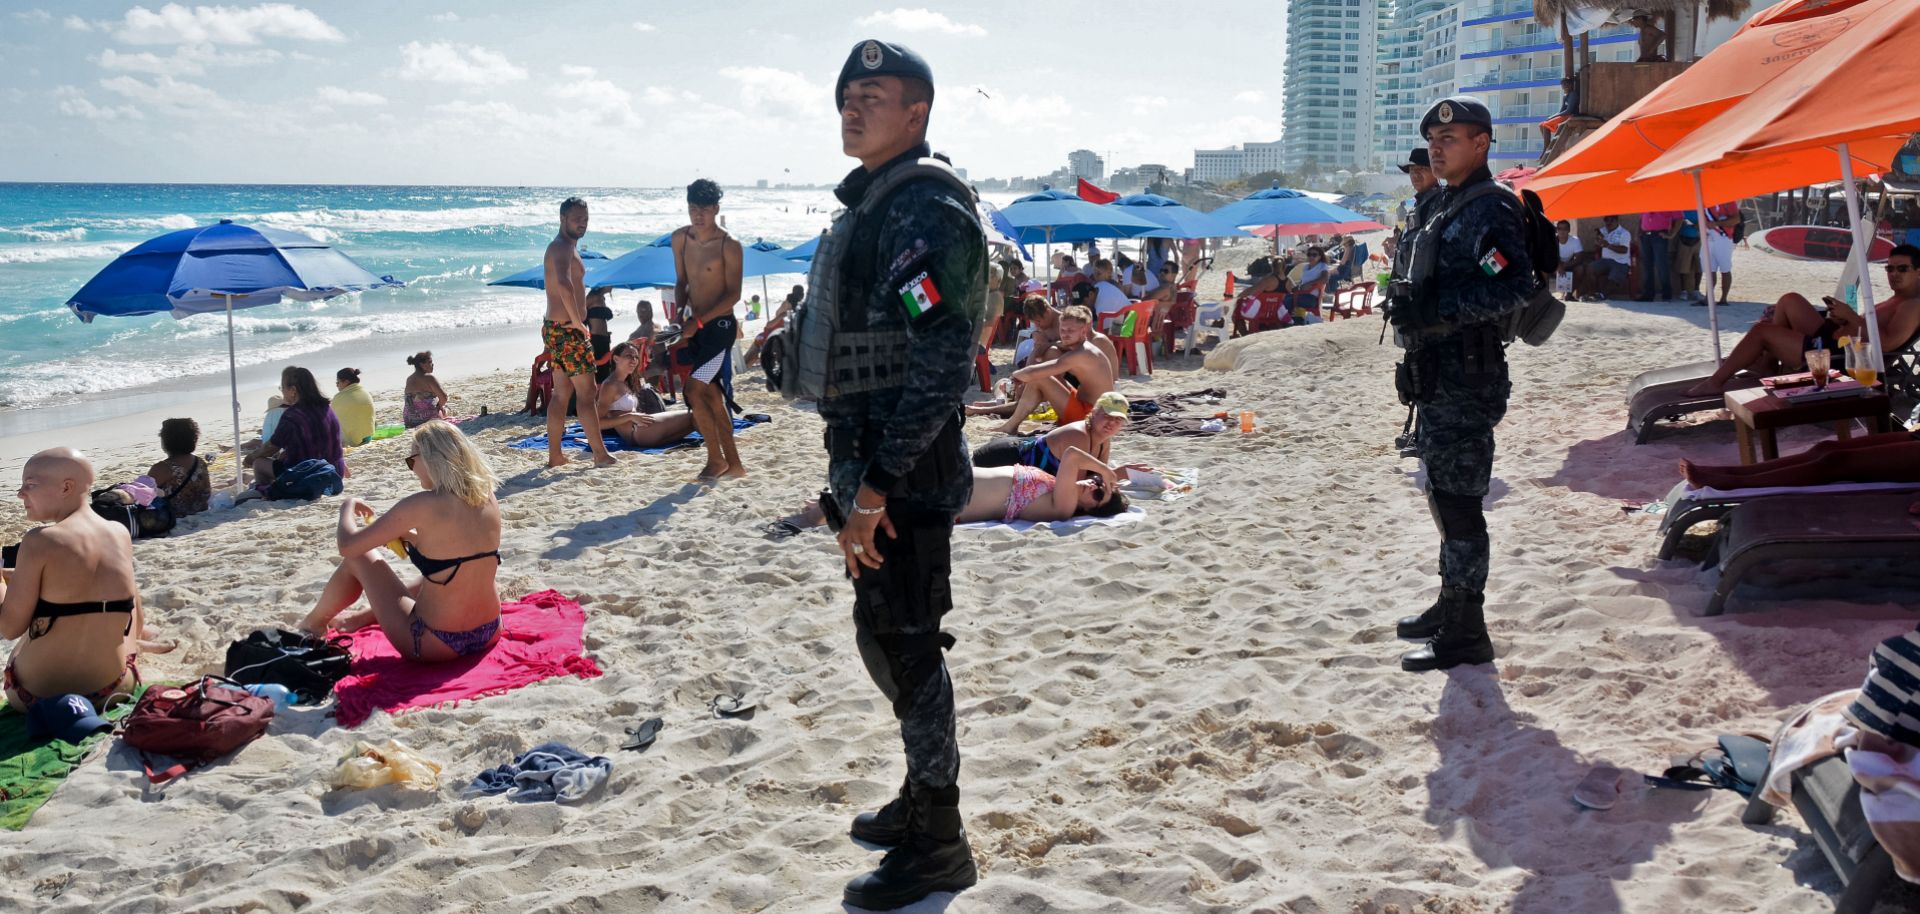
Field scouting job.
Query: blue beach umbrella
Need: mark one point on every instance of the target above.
(804, 250)
(536, 277)
(652, 266)
(220, 268)
(1055, 215)
(1177, 220)
(766, 247)
(1280, 211)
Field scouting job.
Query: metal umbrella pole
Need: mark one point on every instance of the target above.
(233, 388)
(1706, 268)
(1862, 239)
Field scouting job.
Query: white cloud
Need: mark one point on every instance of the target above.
(34, 15)
(448, 16)
(77, 24)
(1250, 97)
(655, 95)
(170, 94)
(75, 102)
(1146, 104)
(186, 60)
(921, 20)
(176, 24)
(645, 27)
(334, 95)
(578, 72)
(775, 91)
(466, 65)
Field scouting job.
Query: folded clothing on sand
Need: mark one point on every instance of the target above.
(549, 771)
(31, 769)
(576, 438)
(539, 639)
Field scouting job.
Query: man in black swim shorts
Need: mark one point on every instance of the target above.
(706, 263)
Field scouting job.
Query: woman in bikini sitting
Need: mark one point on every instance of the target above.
(1094, 434)
(620, 405)
(183, 475)
(1014, 493)
(453, 611)
(71, 598)
(425, 398)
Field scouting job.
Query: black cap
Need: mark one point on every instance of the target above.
(1418, 156)
(879, 58)
(1460, 109)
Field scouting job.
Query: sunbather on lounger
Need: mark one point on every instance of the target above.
(1886, 457)
(1795, 325)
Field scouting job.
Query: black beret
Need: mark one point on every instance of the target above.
(1460, 109)
(879, 58)
(1418, 156)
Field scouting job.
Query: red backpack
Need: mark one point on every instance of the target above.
(195, 723)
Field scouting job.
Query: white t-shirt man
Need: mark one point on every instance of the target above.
(1568, 248)
(1620, 236)
(1108, 300)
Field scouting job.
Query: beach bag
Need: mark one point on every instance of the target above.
(195, 724)
(308, 666)
(306, 480)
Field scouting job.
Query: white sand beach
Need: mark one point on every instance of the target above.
(1202, 711)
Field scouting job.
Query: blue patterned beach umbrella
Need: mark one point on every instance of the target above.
(221, 267)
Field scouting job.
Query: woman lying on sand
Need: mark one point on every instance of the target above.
(1013, 493)
(620, 404)
(1885, 457)
(455, 601)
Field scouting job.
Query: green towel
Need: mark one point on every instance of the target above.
(31, 769)
(388, 431)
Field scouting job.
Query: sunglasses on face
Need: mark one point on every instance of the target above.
(411, 458)
(1099, 490)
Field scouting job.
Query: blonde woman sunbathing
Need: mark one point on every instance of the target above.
(454, 601)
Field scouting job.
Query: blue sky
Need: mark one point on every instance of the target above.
(594, 92)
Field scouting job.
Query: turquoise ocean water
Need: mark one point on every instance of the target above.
(446, 243)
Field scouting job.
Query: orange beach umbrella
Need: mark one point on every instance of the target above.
(1591, 179)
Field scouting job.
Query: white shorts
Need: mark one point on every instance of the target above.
(1720, 252)
(706, 373)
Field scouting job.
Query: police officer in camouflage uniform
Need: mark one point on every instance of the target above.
(898, 466)
(1469, 273)
(1426, 189)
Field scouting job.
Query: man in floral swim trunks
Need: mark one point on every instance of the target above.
(564, 333)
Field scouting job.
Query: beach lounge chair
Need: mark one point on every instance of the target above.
(1837, 528)
(1828, 800)
(1688, 507)
(1661, 394)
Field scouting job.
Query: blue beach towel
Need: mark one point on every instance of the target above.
(576, 438)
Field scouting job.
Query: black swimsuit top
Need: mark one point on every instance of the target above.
(51, 611)
(430, 567)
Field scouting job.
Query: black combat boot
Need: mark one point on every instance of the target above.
(888, 826)
(933, 856)
(1462, 639)
(1424, 626)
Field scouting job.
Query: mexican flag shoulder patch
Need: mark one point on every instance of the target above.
(1493, 263)
(919, 295)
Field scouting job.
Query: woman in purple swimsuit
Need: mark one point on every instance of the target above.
(451, 532)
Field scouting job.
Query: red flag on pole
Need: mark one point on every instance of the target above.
(1093, 194)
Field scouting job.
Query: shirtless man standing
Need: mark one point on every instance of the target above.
(1071, 382)
(706, 264)
(564, 333)
(72, 594)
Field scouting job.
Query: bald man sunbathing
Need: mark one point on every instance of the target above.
(71, 602)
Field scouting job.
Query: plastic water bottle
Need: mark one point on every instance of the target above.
(1246, 421)
(281, 695)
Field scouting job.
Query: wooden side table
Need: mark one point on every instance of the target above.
(1759, 414)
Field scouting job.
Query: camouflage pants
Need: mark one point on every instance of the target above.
(896, 620)
(1456, 445)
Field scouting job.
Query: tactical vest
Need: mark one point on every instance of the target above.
(826, 349)
(1534, 321)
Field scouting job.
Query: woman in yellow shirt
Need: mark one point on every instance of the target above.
(353, 407)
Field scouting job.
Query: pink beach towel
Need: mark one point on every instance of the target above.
(539, 639)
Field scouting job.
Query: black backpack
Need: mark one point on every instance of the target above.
(308, 666)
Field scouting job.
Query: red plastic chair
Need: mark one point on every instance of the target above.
(1136, 350)
(984, 369)
(1352, 301)
(1273, 313)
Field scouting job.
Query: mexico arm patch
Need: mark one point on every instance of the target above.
(920, 295)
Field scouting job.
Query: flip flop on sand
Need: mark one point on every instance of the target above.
(1600, 789)
(780, 529)
(645, 734)
(731, 706)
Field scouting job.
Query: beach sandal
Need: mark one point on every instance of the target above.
(731, 706)
(644, 735)
(780, 530)
(1600, 789)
